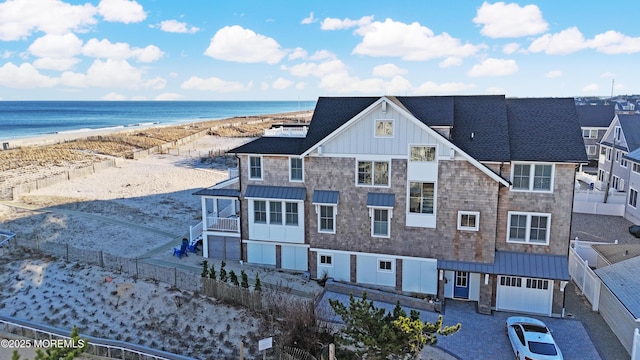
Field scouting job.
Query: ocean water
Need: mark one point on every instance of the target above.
(19, 119)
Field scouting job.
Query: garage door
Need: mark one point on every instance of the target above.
(294, 258)
(261, 253)
(524, 295)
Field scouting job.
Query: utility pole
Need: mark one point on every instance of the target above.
(613, 157)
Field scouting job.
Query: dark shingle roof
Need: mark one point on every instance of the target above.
(545, 129)
(595, 115)
(271, 145)
(486, 118)
(542, 129)
(430, 110)
(631, 129)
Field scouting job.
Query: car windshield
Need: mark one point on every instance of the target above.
(542, 348)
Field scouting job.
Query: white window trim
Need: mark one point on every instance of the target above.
(249, 167)
(617, 155)
(617, 133)
(631, 190)
(266, 208)
(435, 198)
(591, 133)
(283, 211)
(375, 129)
(532, 172)
(593, 148)
(373, 174)
(289, 161)
(389, 217)
(623, 162)
(528, 228)
(435, 156)
(393, 265)
(335, 213)
(320, 263)
(635, 168)
(469, 228)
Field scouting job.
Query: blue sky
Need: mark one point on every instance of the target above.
(291, 50)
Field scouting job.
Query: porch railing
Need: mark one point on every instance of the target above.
(223, 224)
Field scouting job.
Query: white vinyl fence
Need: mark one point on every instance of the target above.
(582, 258)
(635, 354)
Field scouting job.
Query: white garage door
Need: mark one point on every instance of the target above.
(294, 258)
(524, 295)
(261, 253)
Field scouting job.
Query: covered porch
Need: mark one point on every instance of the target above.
(220, 220)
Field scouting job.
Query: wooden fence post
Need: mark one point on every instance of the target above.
(241, 351)
(332, 351)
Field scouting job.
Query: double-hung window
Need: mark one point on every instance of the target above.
(327, 219)
(532, 177)
(590, 133)
(530, 228)
(291, 213)
(373, 173)
(275, 212)
(296, 169)
(421, 197)
(380, 223)
(636, 168)
(260, 212)
(255, 167)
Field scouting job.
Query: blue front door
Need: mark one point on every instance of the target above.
(461, 285)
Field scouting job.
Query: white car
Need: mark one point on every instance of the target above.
(531, 339)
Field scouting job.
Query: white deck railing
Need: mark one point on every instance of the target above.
(215, 223)
(232, 172)
(287, 132)
(635, 352)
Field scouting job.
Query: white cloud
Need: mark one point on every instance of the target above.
(553, 74)
(6, 54)
(174, 26)
(388, 70)
(113, 73)
(234, 43)
(412, 42)
(607, 74)
(58, 64)
(301, 85)
(494, 67)
(318, 70)
(281, 83)
(156, 83)
(565, 42)
(212, 84)
(337, 24)
(297, 53)
(322, 54)
(398, 85)
(113, 96)
(169, 96)
(510, 48)
(494, 90)
(342, 83)
(309, 20)
(19, 18)
(123, 11)
(431, 87)
(264, 86)
(56, 52)
(119, 51)
(613, 42)
(591, 88)
(500, 20)
(24, 76)
(450, 61)
(73, 79)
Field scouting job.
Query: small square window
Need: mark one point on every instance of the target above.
(385, 265)
(326, 260)
(468, 220)
(384, 128)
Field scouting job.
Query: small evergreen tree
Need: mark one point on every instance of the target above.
(212, 272)
(205, 269)
(257, 286)
(234, 278)
(375, 333)
(60, 353)
(223, 272)
(244, 283)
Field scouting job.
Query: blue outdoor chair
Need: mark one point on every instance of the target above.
(182, 250)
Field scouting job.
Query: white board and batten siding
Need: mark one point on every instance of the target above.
(258, 253)
(359, 138)
(294, 257)
(368, 272)
(420, 276)
(278, 233)
(340, 268)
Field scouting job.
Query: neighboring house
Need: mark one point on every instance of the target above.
(632, 210)
(622, 137)
(465, 197)
(618, 302)
(594, 121)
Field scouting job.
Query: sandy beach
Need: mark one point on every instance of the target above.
(112, 210)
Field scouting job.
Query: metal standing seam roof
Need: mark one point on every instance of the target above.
(276, 192)
(218, 192)
(543, 266)
(381, 200)
(325, 197)
(623, 281)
